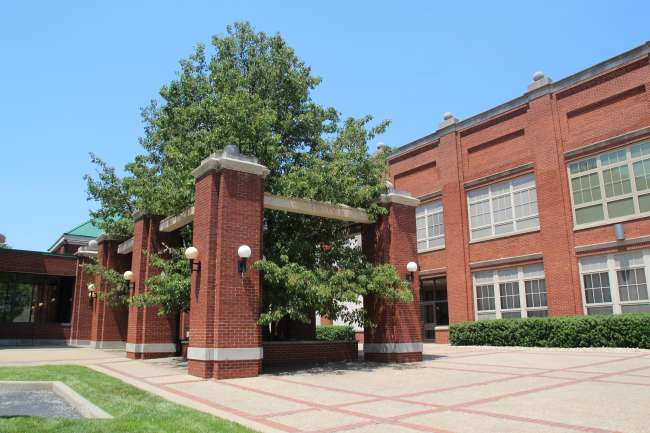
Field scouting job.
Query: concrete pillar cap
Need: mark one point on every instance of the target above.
(232, 159)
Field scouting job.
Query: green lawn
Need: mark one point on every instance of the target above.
(133, 410)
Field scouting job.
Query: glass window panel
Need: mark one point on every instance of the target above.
(537, 313)
(585, 189)
(511, 315)
(509, 295)
(500, 188)
(487, 316)
(478, 194)
(629, 260)
(640, 149)
(580, 166)
(644, 203)
(590, 214)
(640, 308)
(535, 293)
(597, 289)
(502, 209)
(523, 182)
(528, 223)
(504, 228)
(482, 233)
(613, 157)
(620, 208)
(632, 285)
(599, 310)
(617, 181)
(485, 297)
(525, 203)
(479, 214)
(642, 174)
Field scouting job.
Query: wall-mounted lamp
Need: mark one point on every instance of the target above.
(128, 276)
(191, 253)
(92, 292)
(244, 252)
(411, 267)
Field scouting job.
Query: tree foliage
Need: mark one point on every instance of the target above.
(114, 289)
(251, 90)
(170, 289)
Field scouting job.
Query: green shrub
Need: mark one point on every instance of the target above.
(335, 333)
(625, 330)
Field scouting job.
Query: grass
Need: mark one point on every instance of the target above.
(133, 410)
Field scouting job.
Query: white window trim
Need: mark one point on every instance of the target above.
(616, 304)
(513, 221)
(428, 239)
(521, 280)
(629, 162)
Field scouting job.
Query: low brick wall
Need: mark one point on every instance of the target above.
(295, 353)
(21, 334)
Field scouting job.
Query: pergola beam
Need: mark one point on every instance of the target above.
(339, 212)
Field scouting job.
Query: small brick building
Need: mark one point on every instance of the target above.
(539, 206)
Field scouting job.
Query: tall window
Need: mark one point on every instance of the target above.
(510, 293)
(503, 208)
(430, 226)
(611, 186)
(616, 283)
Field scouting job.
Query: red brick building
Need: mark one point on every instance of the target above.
(539, 206)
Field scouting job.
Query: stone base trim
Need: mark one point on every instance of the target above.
(150, 347)
(392, 347)
(109, 345)
(79, 343)
(224, 353)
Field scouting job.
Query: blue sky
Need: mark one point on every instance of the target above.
(74, 75)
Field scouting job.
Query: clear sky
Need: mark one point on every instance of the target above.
(74, 75)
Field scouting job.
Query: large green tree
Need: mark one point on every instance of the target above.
(251, 90)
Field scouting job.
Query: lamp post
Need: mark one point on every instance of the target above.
(191, 254)
(244, 253)
(411, 267)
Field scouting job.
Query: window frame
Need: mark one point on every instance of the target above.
(490, 197)
(428, 212)
(634, 193)
(521, 279)
(612, 273)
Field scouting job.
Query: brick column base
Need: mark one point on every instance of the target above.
(393, 357)
(224, 369)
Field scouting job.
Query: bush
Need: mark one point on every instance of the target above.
(335, 333)
(626, 330)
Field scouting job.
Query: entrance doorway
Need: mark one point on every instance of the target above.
(435, 311)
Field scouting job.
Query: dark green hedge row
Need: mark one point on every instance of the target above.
(335, 333)
(625, 330)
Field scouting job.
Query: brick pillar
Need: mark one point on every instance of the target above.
(149, 335)
(225, 340)
(398, 334)
(82, 306)
(108, 330)
(554, 204)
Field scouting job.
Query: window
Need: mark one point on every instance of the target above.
(615, 283)
(26, 298)
(520, 292)
(612, 186)
(503, 208)
(430, 226)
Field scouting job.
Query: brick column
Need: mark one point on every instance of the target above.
(149, 335)
(225, 340)
(108, 330)
(82, 306)
(398, 334)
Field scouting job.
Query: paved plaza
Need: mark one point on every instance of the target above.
(456, 389)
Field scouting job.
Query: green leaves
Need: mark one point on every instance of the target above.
(114, 289)
(170, 288)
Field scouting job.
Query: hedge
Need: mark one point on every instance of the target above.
(335, 333)
(625, 330)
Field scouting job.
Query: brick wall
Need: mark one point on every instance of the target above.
(538, 131)
(82, 306)
(33, 262)
(279, 354)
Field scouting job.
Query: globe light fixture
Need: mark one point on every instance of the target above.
(92, 292)
(244, 253)
(129, 277)
(411, 267)
(191, 254)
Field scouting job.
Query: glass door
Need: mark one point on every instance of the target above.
(433, 301)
